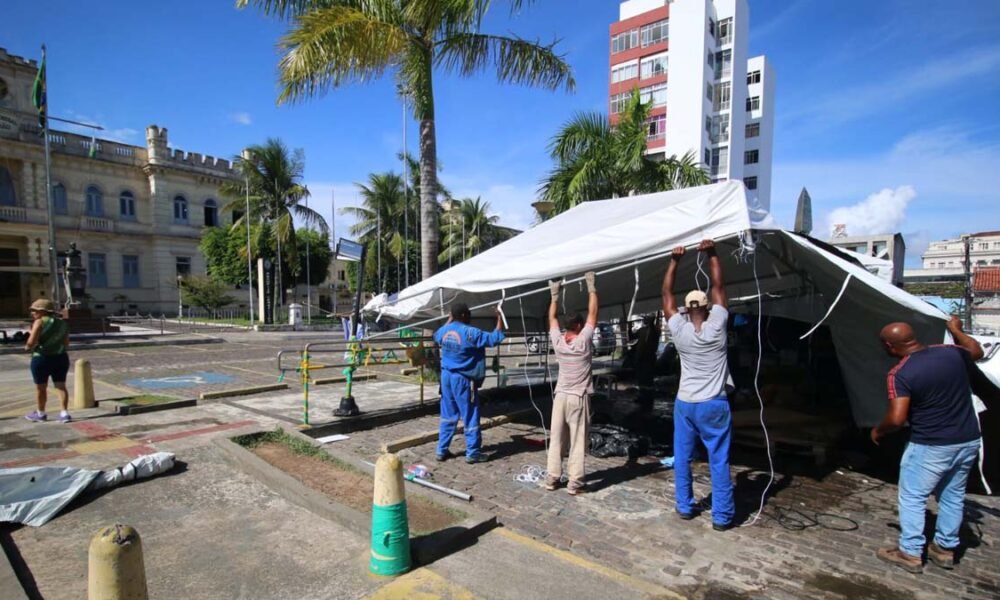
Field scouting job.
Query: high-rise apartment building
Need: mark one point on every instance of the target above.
(689, 58)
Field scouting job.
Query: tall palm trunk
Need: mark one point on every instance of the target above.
(428, 198)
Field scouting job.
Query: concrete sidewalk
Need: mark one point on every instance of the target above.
(210, 530)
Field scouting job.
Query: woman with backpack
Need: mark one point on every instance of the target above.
(47, 343)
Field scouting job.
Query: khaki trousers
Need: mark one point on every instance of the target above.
(570, 430)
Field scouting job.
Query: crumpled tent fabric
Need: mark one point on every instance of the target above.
(35, 495)
(799, 277)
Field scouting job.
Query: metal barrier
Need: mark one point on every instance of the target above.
(414, 350)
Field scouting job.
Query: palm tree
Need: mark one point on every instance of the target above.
(274, 175)
(469, 229)
(336, 42)
(596, 160)
(380, 223)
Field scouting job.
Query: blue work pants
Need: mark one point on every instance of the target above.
(459, 399)
(711, 422)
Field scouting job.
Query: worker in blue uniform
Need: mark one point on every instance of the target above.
(463, 370)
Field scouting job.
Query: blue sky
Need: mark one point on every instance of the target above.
(886, 111)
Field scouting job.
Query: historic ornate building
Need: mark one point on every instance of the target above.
(136, 212)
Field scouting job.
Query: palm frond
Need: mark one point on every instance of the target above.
(331, 46)
(516, 60)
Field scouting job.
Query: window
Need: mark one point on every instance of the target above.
(753, 77)
(720, 128)
(97, 270)
(708, 92)
(996, 245)
(708, 156)
(711, 59)
(753, 130)
(995, 261)
(657, 127)
(711, 27)
(7, 195)
(183, 266)
(654, 66)
(984, 246)
(719, 162)
(708, 124)
(130, 271)
(180, 209)
(654, 33)
(624, 41)
(657, 94)
(126, 205)
(750, 182)
(618, 102)
(211, 213)
(725, 28)
(237, 215)
(624, 72)
(59, 204)
(753, 103)
(94, 202)
(722, 99)
(751, 157)
(980, 263)
(723, 64)
(341, 275)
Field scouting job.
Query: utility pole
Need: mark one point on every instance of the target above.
(967, 244)
(406, 204)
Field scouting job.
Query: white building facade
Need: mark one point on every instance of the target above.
(689, 57)
(984, 251)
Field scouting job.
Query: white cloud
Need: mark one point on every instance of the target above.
(243, 118)
(952, 175)
(881, 212)
(124, 135)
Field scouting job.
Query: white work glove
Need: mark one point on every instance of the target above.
(590, 278)
(554, 287)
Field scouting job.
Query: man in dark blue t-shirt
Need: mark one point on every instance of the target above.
(930, 388)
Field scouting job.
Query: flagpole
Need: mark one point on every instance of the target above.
(246, 221)
(309, 297)
(53, 254)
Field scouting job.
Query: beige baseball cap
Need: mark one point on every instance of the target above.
(696, 299)
(43, 305)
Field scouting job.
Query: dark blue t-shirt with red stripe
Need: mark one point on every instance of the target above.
(936, 379)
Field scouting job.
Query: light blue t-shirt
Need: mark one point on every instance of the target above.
(704, 368)
(462, 346)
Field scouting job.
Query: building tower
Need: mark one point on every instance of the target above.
(689, 58)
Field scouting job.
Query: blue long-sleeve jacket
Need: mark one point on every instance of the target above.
(462, 346)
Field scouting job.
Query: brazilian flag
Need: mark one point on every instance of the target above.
(38, 95)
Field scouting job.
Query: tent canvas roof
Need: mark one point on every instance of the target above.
(626, 240)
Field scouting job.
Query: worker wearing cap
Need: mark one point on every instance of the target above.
(47, 343)
(701, 410)
(463, 369)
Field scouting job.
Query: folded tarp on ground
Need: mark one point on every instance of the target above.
(35, 495)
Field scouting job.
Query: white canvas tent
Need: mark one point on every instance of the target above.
(626, 240)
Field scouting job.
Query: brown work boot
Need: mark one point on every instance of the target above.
(941, 557)
(551, 483)
(895, 556)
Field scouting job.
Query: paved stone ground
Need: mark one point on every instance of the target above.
(816, 537)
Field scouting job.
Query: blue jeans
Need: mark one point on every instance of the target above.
(459, 399)
(712, 422)
(943, 471)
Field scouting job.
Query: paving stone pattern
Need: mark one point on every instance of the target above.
(824, 546)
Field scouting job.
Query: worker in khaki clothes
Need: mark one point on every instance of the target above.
(571, 405)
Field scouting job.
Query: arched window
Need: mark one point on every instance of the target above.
(180, 209)
(211, 213)
(126, 205)
(59, 205)
(95, 202)
(7, 195)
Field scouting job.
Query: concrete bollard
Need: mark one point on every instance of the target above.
(83, 386)
(116, 570)
(390, 543)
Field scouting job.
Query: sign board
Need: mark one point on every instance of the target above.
(349, 250)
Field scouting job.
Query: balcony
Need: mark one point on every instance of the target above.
(97, 224)
(14, 214)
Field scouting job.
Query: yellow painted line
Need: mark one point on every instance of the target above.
(113, 386)
(627, 580)
(421, 584)
(112, 443)
(225, 366)
(119, 352)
